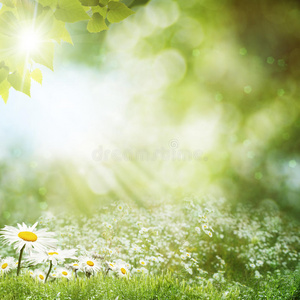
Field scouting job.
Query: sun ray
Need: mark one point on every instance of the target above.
(29, 41)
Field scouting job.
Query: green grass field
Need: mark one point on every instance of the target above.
(150, 287)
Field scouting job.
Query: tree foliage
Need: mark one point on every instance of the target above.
(30, 29)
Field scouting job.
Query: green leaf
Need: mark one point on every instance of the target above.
(97, 23)
(67, 37)
(103, 2)
(101, 10)
(50, 3)
(37, 75)
(59, 32)
(4, 90)
(20, 83)
(70, 11)
(3, 74)
(8, 22)
(89, 2)
(8, 3)
(138, 2)
(45, 55)
(117, 12)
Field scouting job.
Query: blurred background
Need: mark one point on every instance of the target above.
(184, 97)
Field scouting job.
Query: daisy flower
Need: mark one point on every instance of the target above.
(122, 271)
(183, 256)
(259, 263)
(109, 226)
(111, 266)
(74, 266)
(53, 275)
(55, 256)
(39, 275)
(137, 270)
(7, 264)
(110, 251)
(153, 258)
(143, 262)
(28, 237)
(128, 266)
(25, 238)
(136, 248)
(121, 268)
(194, 260)
(89, 265)
(64, 273)
(120, 207)
(209, 233)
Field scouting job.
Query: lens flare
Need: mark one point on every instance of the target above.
(29, 40)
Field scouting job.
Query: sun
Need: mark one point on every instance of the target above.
(29, 40)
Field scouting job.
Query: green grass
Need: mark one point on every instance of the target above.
(103, 288)
(159, 287)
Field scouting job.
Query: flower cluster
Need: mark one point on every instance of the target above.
(41, 249)
(194, 242)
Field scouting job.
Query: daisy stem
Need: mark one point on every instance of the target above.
(20, 259)
(50, 268)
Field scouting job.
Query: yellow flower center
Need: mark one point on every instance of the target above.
(90, 263)
(142, 262)
(27, 236)
(52, 253)
(4, 266)
(65, 273)
(75, 265)
(123, 271)
(41, 277)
